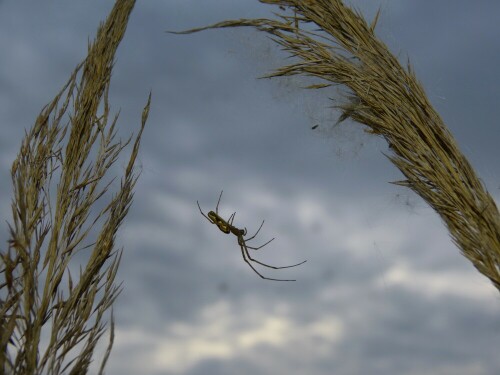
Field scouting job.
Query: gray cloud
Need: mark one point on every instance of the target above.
(384, 290)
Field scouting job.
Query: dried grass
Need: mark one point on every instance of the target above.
(388, 99)
(53, 223)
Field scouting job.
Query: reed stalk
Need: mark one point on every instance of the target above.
(52, 307)
(388, 100)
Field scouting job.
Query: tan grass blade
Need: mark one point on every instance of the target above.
(54, 221)
(388, 99)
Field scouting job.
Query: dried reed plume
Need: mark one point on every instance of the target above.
(50, 318)
(390, 102)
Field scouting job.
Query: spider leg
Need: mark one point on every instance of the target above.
(244, 253)
(203, 213)
(241, 242)
(275, 267)
(257, 248)
(217, 208)
(258, 230)
(231, 219)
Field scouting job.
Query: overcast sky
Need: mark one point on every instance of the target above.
(384, 290)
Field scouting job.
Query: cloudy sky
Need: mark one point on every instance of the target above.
(384, 291)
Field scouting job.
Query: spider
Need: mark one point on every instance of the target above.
(228, 227)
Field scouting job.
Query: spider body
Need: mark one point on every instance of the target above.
(227, 227)
(220, 222)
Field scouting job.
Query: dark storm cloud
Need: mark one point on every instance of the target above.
(383, 292)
